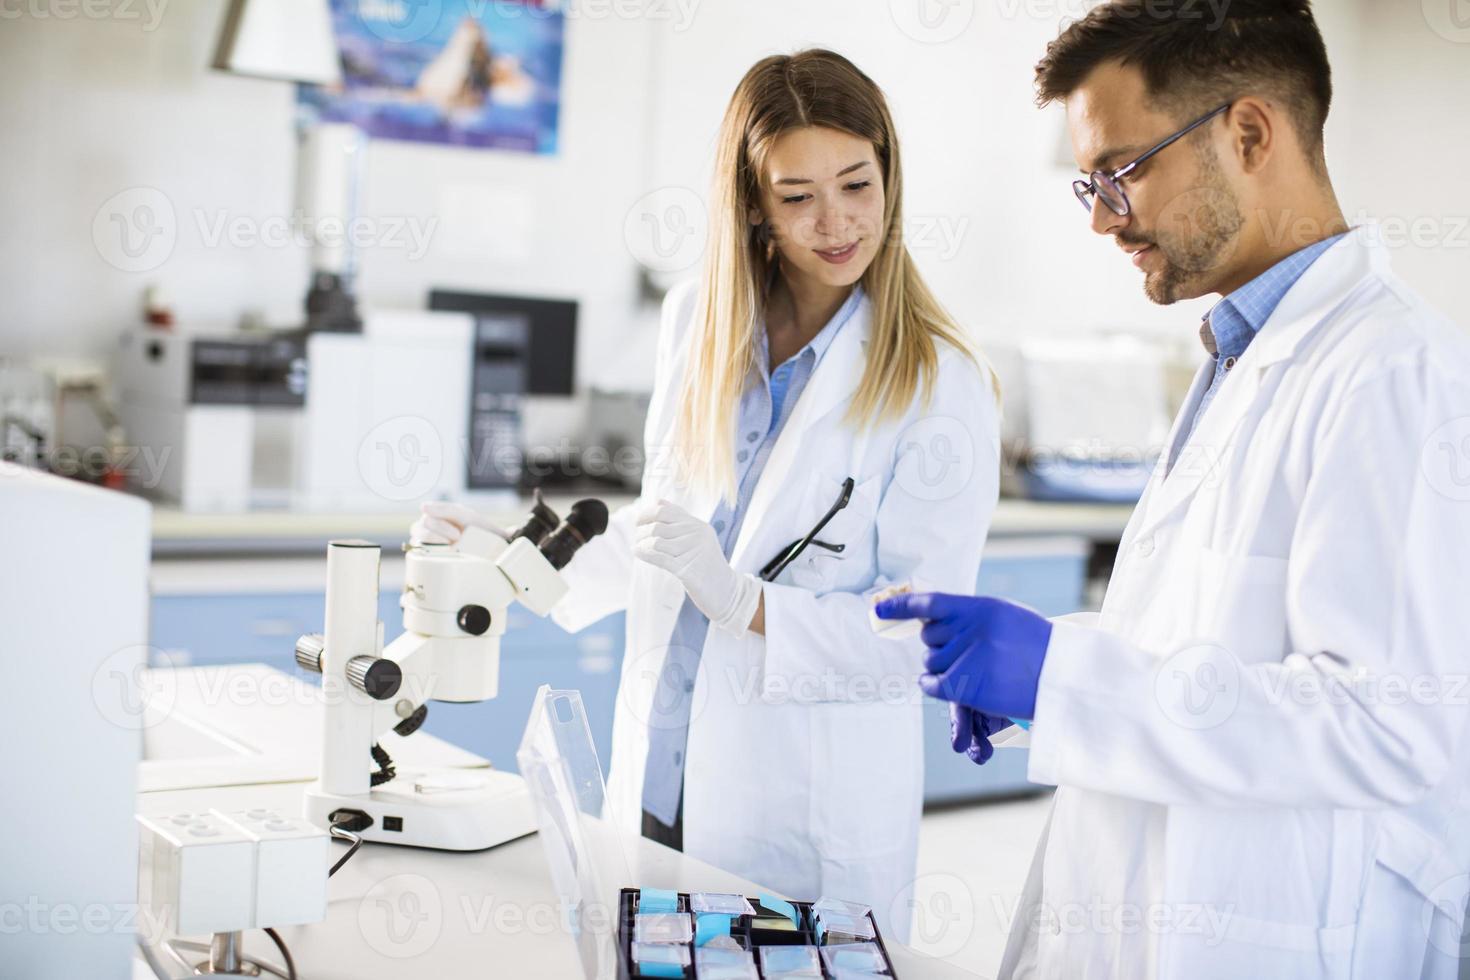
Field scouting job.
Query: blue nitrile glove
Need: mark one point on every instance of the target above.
(983, 653)
(970, 732)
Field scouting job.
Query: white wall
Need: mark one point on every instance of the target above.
(1403, 160)
(91, 108)
(996, 229)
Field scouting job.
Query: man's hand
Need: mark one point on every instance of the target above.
(970, 732)
(983, 653)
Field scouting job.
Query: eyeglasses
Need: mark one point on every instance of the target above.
(1105, 185)
(792, 551)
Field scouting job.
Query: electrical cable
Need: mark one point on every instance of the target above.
(341, 833)
(385, 766)
(281, 945)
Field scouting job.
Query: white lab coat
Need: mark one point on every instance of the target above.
(804, 769)
(1218, 813)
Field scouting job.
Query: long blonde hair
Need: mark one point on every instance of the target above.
(781, 93)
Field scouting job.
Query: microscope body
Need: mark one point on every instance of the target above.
(454, 601)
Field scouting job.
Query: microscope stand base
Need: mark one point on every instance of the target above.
(444, 809)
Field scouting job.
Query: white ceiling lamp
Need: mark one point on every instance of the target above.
(289, 40)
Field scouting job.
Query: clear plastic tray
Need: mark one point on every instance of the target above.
(584, 852)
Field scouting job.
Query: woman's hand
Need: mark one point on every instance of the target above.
(443, 522)
(671, 538)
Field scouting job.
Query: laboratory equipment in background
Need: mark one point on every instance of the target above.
(293, 41)
(212, 418)
(55, 416)
(497, 386)
(74, 601)
(614, 450)
(455, 601)
(387, 413)
(1086, 418)
(551, 333)
(27, 414)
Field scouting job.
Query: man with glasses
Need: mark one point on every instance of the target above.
(1259, 744)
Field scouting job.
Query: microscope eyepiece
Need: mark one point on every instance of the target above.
(586, 520)
(539, 523)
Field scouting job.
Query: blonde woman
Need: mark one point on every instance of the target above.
(807, 387)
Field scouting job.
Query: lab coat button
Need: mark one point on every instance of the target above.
(1145, 547)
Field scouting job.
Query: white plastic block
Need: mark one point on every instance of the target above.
(196, 873)
(292, 856)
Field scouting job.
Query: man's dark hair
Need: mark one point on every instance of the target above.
(1195, 55)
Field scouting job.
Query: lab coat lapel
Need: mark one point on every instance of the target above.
(836, 378)
(1323, 288)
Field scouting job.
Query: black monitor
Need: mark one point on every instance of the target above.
(551, 363)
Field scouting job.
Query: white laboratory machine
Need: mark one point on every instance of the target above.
(454, 604)
(213, 415)
(420, 404)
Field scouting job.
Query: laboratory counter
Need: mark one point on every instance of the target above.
(246, 737)
(180, 534)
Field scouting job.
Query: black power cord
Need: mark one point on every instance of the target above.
(345, 826)
(385, 766)
(285, 953)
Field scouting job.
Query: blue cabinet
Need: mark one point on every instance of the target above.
(1050, 576)
(259, 627)
(204, 630)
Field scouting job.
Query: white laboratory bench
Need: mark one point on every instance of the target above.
(406, 912)
(180, 534)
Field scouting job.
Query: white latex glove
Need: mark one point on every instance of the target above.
(686, 547)
(443, 522)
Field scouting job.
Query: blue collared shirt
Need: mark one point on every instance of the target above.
(765, 406)
(1234, 322)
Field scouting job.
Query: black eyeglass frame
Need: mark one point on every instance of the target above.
(792, 551)
(1090, 189)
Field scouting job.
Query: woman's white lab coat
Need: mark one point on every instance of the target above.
(1260, 746)
(804, 767)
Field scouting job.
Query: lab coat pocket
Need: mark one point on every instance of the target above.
(818, 568)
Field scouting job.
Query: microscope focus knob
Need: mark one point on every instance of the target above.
(474, 620)
(379, 679)
(309, 652)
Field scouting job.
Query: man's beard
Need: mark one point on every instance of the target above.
(1209, 223)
